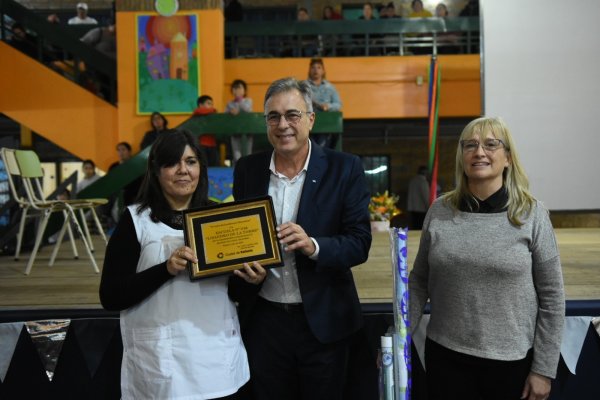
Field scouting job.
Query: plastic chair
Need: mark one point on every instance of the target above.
(28, 160)
(13, 173)
(30, 170)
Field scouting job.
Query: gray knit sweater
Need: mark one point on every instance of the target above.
(496, 290)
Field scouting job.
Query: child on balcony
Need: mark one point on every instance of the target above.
(239, 104)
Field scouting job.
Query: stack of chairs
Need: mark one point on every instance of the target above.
(25, 165)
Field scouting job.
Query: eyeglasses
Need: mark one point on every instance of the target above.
(292, 117)
(469, 146)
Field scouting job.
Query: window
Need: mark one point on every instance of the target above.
(377, 171)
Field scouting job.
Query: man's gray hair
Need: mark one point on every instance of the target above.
(289, 84)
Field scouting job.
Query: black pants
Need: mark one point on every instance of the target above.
(287, 361)
(244, 393)
(452, 375)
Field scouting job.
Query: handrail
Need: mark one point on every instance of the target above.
(62, 39)
(221, 125)
(396, 36)
(380, 26)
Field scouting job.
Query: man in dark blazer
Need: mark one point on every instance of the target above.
(297, 330)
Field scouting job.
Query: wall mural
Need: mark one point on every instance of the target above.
(168, 68)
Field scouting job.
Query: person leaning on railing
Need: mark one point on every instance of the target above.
(325, 97)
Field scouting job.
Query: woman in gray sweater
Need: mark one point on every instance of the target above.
(489, 264)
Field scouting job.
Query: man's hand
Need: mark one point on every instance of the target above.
(293, 237)
(254, 274)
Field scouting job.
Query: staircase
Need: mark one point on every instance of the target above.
(55, 107)
(35, 95)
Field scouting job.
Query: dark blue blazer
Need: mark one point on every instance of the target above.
(334, 211)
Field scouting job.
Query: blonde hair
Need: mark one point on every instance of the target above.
(520, 201)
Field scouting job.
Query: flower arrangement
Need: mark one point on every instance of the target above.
(383, 207)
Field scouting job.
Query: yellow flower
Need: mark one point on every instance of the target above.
(383, 206)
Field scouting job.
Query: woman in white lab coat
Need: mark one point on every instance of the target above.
(181, 339)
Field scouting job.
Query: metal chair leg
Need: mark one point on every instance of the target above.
(99, 225)
(85, 241)
(72, 239)
(21, 233)
(86, 229)
(65, 228)
(38, 240)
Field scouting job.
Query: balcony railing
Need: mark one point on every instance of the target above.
(458, 35)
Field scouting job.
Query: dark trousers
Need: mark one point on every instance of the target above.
(244, 393)
(452, 375)
(287, 361)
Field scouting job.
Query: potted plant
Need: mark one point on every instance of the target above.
(382, 209)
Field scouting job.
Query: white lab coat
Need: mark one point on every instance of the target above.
(182, 342)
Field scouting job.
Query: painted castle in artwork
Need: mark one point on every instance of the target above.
(178, 66)
(163, 63)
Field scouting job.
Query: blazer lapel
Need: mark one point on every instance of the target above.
(316, 169)
(264, 175)
(260, 176)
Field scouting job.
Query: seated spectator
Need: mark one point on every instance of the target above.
(330, 41)
(309, 44)
(89, 175)
(123, 154)
(418, 11)
(303, 14)
(330, 14)
(159, 126)
(390, 41)
(111, 211)
(367, 12)
(23, 41)
(300, 45)
(208, 142)
(370, 47)
(448, 42)
(391, 11)
(441, 11)
(82, 18)
(64, 195)
(102, 39)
